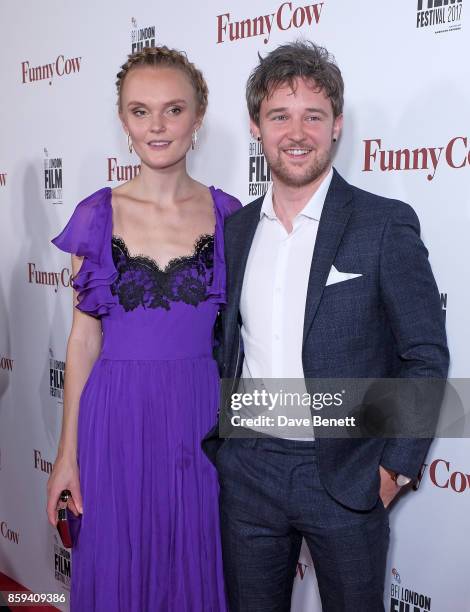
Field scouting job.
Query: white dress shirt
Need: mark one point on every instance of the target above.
(272, 304)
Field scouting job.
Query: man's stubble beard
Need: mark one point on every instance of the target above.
(310, 174)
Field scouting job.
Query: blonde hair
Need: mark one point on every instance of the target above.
(163, 56)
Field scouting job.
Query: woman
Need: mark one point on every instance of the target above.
(141, 386)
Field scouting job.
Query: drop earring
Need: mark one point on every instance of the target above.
(194, 140)
(129, 143)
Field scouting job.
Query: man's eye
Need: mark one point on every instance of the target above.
(279, 117)
(313, 118)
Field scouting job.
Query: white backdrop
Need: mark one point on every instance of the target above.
(407, 88)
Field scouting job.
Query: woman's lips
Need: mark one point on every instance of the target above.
(159, 144)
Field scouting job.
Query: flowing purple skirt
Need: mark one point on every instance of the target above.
(149, 539)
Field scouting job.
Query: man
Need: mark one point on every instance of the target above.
(324, 280)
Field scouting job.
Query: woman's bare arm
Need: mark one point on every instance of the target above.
(83, 348)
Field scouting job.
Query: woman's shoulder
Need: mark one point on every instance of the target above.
(227, 203)
(95, 206)
(98, 199)
(86, 228)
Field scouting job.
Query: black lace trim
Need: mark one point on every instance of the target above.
(205, 241)
(142, 282)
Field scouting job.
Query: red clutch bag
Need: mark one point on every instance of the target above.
(68, 525)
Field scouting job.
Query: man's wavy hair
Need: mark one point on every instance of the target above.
(303, 59)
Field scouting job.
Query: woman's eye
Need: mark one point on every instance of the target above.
(175, 110)
(138, 112)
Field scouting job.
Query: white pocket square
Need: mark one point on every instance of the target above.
(335, 276)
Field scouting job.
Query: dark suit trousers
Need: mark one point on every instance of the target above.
(271, 496)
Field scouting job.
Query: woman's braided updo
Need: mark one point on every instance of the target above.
(165, 57)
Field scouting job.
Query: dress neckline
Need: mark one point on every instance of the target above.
(199, 244)
(174, 260)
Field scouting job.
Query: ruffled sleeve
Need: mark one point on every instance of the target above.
(88, 234)
(225, 205)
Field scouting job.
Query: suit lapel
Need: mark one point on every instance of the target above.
(243, 243)
(334, 218)
(242, 232)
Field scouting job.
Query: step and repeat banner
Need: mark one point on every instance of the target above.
(406, 135)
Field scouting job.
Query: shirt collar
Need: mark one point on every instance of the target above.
(312, 209)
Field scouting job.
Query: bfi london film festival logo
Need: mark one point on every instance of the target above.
(284, 18)
(60, 67)
(62, 562)
(404, 599)
(455, 154)
(56, 377)
(52, 178)
(62, 558)
(439, 15)
(259, 173)
(141, 37)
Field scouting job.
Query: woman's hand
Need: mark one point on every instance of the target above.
(65, 475)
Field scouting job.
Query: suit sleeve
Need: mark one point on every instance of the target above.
(412, 302)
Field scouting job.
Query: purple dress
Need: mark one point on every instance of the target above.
(149, 537)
